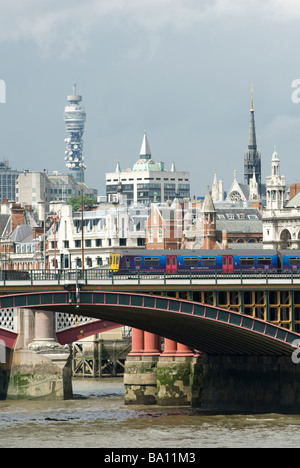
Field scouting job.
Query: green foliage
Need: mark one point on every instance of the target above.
(76, 202)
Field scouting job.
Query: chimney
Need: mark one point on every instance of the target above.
(224, 240)
(17, 216)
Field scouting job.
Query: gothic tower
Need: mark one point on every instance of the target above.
(252, 158)
(209, 221)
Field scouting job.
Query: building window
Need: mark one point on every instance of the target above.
(88, 243)
(98, 242)
(77, 243)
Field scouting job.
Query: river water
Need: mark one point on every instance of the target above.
(97, 417)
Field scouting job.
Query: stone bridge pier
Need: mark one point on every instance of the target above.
(153, 376)
(39, 367)
(212, 383)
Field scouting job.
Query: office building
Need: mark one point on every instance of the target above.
(8, 179)
(147, 182)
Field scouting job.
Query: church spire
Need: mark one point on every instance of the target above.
(252, 135)
(252, 160)
(252, 106)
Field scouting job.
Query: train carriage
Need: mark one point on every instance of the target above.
(184, 261)
(289, 260)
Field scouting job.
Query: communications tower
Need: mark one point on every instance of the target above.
(74, 118)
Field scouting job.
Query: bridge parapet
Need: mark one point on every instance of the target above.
(106, 278)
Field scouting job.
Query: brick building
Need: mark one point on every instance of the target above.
(164, 227)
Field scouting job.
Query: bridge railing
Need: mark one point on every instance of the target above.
(138, 276)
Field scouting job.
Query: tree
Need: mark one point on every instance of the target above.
(77, 201)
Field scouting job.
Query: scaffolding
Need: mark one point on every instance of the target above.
(100, 358)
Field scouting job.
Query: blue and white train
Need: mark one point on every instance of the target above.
(225, 261)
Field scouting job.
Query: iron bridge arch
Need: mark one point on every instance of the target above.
(205, 328)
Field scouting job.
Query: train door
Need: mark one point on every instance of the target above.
(227, 264)
(127, 263)
(114, 262)
(171, 264)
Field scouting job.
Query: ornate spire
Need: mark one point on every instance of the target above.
(208, 205)
(252, 107)
(252, 136)
(252, 159)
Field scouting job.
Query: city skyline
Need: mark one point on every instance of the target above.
(180, 70)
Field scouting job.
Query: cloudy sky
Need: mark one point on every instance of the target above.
(181, 69)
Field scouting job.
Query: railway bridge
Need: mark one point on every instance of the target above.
(230, 343)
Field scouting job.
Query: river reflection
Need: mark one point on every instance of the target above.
(97, 417)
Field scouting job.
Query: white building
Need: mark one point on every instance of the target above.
(281, 219)
(148, 181)
(103, 230)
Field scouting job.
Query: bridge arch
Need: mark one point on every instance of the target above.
(205, 328)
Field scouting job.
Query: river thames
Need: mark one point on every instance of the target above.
(97, 417)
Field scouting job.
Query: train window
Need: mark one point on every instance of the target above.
(294, 260)
(264, 261)
(208, 261)
(152, 261)
(190, 261)
(247, 261)
(137, 261)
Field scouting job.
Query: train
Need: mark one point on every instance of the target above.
(185, 261)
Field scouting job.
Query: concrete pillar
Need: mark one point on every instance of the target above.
(46, 346)
(140, 369)
(151, 346)
(137, 340)
(183, 350)
(170, 347)
(44, 326)
(174, 370)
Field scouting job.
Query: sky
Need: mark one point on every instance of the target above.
(180, 69)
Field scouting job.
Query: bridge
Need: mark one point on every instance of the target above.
(235, 316)
(271, 297)
(206, 328)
